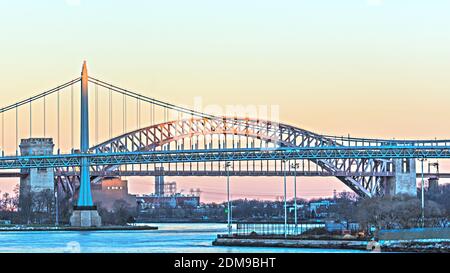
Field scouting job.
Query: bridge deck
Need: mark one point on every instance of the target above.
(217, 173)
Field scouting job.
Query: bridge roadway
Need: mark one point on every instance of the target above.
(218, 173)
(234, 154)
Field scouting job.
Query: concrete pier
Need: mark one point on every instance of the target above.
(36, 180)
(404, 179)
(85, 217)
(300, 243)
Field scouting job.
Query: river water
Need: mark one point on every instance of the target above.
(168, 238)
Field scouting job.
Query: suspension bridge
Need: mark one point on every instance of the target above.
(144, 136)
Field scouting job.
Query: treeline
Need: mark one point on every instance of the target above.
(395, 212)
(381, 212)
(39, 208)
(242, 210)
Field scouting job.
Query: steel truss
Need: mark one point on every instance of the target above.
(362, 164)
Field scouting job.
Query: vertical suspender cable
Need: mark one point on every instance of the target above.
(31, 121)
(71, 116)
(96, 113)
(150, 113)
(124, 113)
(17, 129)
(3, 133)
(153, 113)
(59, 139)
(110, 113)
(44, 117)
(137, 113)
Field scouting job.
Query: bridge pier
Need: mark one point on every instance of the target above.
(404, 180)
(85, 213)
(35, 180)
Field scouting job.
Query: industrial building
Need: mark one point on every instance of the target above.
(111, 189)
(166, 196)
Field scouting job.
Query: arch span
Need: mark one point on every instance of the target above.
(204, 133)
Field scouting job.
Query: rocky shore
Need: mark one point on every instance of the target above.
(425, 246)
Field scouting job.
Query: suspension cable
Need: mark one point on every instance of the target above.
(151, 100)
(163, 104)
(39, 96)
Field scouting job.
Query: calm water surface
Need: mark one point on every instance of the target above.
(169, 238)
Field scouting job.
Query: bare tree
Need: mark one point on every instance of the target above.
(395, 212)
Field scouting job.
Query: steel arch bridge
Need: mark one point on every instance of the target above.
(200, 144)
(365, 176)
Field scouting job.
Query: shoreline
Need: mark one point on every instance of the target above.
(412, 246)
(290, 243)
(68, 228)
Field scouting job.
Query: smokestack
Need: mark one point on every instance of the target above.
(159, 182)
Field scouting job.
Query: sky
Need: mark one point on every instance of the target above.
(368, 68)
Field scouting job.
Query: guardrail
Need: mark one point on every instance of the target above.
(274, 228)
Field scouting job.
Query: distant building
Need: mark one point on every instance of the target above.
(341, 226)
(5, 222)
(165, 196)
(110, 190)
(313, 206)
(433, 184)
(320, 208)
(167, 201)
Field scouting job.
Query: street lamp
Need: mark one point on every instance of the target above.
(227, 167)
(285, 202)
(422, 186)
(295, 166)
(56, 208)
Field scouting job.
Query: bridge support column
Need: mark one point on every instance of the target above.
(404, 180)
(36, 180)
(85, 213)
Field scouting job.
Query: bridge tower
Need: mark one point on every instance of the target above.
(404, 179)
(85, 213)
(35, 180)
